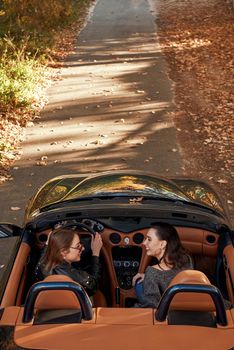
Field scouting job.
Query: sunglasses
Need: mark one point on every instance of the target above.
(79, 247)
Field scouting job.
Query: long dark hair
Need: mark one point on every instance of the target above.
(175, 255)
(60, 239)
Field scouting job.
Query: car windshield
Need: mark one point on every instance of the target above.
(71, 188)
(128, 185)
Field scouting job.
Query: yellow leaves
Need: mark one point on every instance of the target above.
(198, 48)
(38, 14)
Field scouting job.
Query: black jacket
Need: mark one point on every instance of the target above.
(88, 280)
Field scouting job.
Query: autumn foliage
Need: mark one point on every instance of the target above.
(34, 14)
(30, 37)
(27, 32)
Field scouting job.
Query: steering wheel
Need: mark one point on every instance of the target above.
(80, 225)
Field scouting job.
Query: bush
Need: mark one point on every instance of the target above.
(27, 32)
(19, 75)
(17, 83)
(38, 21)
(21, 15)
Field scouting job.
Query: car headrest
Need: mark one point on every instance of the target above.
(191, 301)
(57, 299)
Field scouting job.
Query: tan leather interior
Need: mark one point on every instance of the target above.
(132, 335)
(57, 299)
(61, 299)
(191, 301)
(99, 299)
(229, 270)
(10, 315)
(16, 277)
(194, 240)
(120, 327)
(125, 316)
(197, 241)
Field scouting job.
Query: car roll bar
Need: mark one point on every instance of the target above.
(78, 290)
(164, 304)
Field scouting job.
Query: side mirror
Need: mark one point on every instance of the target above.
(9, 230)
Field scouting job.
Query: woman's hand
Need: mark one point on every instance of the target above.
(139, 277)
(96, 244)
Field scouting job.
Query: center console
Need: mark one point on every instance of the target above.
(126, 261)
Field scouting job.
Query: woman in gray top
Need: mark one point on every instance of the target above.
(163, 243)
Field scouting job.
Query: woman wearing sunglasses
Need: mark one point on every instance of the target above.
(64, 248)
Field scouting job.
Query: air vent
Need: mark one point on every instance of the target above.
(211, 239)
(115, 238)
(138, 238)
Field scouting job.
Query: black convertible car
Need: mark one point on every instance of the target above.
(121, 206)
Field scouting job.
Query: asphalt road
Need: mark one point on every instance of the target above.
(110, 109)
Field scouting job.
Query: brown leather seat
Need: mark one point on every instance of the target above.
(57, 299)
(57, 306)
(191, 301)
(64, 299)
(183, 305)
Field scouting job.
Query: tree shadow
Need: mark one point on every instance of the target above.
(109, 111)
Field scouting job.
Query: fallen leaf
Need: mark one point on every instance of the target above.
(41, 163)
(30, 124)
(15, 208)
(222, 181)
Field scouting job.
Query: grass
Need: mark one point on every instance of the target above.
(18, 80)
(22, 67)
(24, 51)
(27, 45)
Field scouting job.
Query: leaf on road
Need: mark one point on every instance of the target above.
(222, 181)
(15, 208)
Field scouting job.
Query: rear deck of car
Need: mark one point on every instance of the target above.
(117, 328)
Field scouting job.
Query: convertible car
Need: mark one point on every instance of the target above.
(195, 311)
